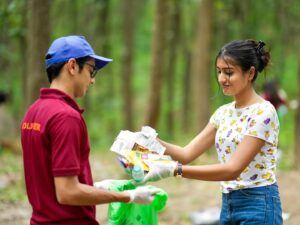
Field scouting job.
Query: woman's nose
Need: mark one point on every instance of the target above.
(222, 78)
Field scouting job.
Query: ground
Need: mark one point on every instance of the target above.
(185, 196)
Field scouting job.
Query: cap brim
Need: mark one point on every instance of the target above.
(100, 61)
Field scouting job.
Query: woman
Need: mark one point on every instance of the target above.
(245, 133)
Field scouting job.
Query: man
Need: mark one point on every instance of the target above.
(56, 146)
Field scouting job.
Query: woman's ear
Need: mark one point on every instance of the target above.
(251, 73)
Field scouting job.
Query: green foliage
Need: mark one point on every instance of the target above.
(286, 141)
(273, 21)
(11, 173)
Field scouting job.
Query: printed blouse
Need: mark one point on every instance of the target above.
(233, 124)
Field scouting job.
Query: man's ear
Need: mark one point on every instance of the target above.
(251, 73)
(72, 66)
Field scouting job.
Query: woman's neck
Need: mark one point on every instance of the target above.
(247, 98)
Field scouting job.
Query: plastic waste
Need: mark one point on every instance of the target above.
(137, 173)
(135, 214)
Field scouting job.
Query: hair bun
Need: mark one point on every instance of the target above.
(263, 56)
(259, 47)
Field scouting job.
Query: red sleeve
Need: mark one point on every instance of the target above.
(66, 134)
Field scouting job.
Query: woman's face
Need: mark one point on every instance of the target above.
(232, 79)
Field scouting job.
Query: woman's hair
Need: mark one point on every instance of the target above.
(54, 70)
(246, 53)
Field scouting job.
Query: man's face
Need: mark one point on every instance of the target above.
(84, 78)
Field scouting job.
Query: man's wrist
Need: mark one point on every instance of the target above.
(130, 195)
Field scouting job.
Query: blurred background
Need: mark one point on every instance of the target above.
(163, 71)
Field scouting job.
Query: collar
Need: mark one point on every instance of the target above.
(51, 93)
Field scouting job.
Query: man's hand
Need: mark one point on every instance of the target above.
(142, 195)
(159, 170)
(106, 184)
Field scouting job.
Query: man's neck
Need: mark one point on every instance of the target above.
(62, 86)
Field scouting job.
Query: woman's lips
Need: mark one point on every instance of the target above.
(225, 86)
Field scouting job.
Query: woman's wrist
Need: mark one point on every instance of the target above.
(178, 170)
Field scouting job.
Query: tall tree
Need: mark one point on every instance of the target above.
(282, 33)
(186, 81)
(157, 63)
(103, 44)
(240, 13)
(188, 20)
(174, 37)
(200, 67)
(4, 37)
(38, 38)
(128, 11)
(297, 120)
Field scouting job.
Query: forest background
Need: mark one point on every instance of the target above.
(163, 71)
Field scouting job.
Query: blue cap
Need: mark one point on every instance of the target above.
(65, 48)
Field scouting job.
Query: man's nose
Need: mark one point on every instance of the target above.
(92, 81)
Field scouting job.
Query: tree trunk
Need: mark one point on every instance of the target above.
(157, 64)
(186, 103)
(170, 79)
(241, 13)
(127, 58)
(297, 120)
(38, 38)
(201, 71)
(282, 35)
(23, 52)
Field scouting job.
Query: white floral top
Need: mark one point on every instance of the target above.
(258, 120)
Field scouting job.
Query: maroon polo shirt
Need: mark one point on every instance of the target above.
(55, 143)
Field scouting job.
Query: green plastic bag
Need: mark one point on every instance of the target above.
(135, 214)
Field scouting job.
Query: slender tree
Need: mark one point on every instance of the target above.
(201, 69)
(297, 120)
(173, 44)
(103, 44)
(38, 38)
(128, 12)
(186, 44)
(282, 33)
(186, 81)
(4, 37)
(157, 63)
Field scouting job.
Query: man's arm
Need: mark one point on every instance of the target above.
(69, 191)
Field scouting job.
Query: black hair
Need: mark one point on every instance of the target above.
(271, 91)
(246, 53)
(54, 70)
(3, 97)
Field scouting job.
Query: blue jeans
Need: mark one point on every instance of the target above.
(252, 206)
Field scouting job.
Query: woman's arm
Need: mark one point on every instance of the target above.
(245, 153)
(203, 141)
